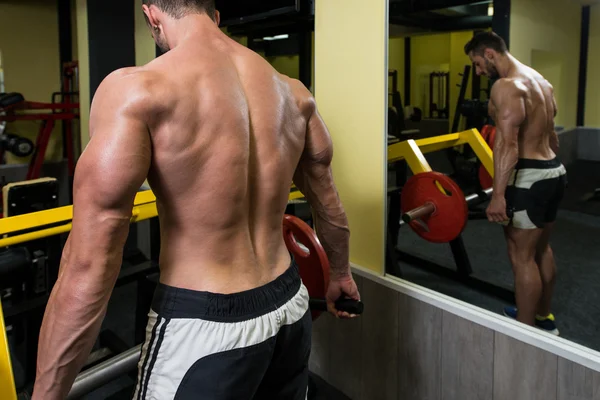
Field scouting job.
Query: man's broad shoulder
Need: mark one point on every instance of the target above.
(138, 89)
(303, 96)
(508, 88)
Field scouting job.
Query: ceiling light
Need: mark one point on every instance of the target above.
(278, 37)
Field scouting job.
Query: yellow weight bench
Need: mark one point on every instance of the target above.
(413, 150)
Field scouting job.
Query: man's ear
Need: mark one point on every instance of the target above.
(218, 17)
(151, 13)
(489, 54)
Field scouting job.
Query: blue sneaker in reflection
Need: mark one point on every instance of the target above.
(547, 324)
(544, 323)
(510, 312)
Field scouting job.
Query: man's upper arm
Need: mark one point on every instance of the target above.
(318, 148)
(509, 101)
(313, 176)
(115, 163)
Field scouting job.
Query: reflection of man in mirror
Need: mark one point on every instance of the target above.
(529, 179)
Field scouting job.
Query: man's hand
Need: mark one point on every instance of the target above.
(496, 211)
(343, 287)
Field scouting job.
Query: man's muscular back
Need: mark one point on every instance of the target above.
(527, 99)
(227, 134)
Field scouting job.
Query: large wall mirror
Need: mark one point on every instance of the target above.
(435, 90)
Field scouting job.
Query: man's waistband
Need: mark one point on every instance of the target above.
(528, 163)
(173, 302)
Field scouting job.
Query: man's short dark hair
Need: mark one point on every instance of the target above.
(485, 40)
(180, 8)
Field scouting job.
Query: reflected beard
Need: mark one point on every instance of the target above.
(492, 72)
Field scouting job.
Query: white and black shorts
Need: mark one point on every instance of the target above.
(249, 345)
(534, 192)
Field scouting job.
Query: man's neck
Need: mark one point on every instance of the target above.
(190, 27)
(506, 65)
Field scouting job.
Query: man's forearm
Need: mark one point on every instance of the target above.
(331, 223)
(71, 325)
(505, 160)
(334, 234)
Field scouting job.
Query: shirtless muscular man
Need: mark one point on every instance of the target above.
(220, 136)
(529, 179)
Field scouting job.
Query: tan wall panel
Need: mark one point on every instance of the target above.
(353, 103)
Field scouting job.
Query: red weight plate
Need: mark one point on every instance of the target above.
(485, 179)
(451, 210)
(485, 132)
(492, 137)
(314, 264)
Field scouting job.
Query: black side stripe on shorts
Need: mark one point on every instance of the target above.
(148, 350)
(161, 336)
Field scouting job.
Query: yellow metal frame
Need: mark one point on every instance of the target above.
(8, 391)
(413, 150)
(144, 208)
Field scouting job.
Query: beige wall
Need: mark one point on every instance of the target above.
(352, 101)
(145, 48)
(438, 52)
(31, 62)
(83, 56)
(592, 94)
(287, 65)
(545, 35)
(428, 53)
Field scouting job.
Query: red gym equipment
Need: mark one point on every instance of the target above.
(314, 266)
(14, 107)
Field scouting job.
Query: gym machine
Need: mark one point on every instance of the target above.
(396, 118)
(439, 230)
(63, 106)
(395, 115)
(439, 95)
(475, 111)
(397, 132)
(475, 114)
